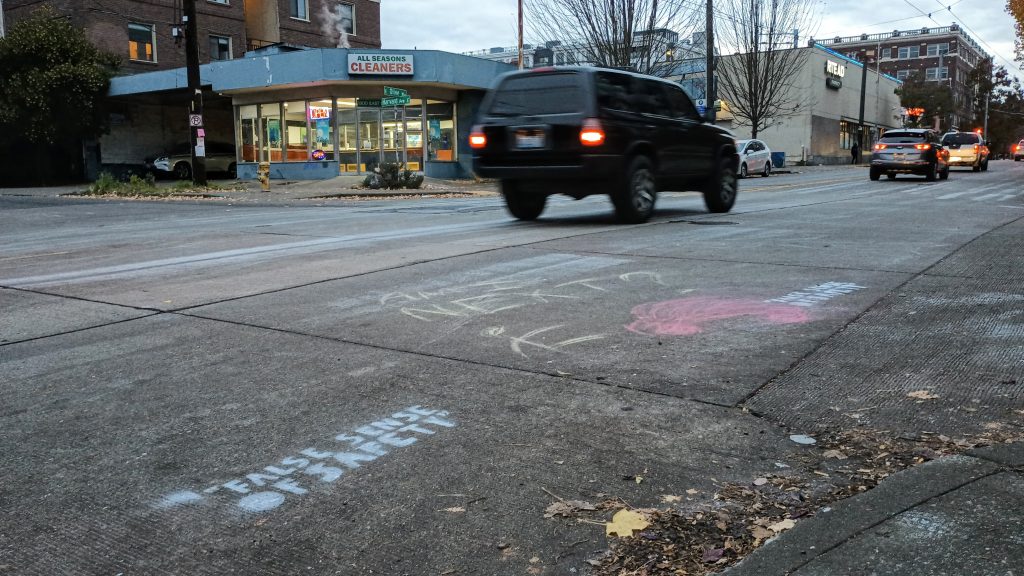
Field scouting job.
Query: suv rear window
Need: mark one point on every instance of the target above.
(961, 138)
(894, 137)
(538, 94)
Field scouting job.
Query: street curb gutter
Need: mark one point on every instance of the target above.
(851, 517)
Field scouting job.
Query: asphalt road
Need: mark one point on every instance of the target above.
(401, 387)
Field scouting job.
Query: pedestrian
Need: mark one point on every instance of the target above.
(855, 152)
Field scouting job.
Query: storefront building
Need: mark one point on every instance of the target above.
(825, 124)
(320, 113)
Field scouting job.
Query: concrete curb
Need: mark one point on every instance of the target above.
(851, 517)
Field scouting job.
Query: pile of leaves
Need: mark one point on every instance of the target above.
(709, 537)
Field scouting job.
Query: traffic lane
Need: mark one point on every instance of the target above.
(27, 315)
(954, 342)
(695, 329)
(230, 447)
(861, 232)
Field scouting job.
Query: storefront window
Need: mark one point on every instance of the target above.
(441, 131)
(270, 130)
(847, 134)
(347, 140)
(297, 131)
(414, 136)
(248, 140)
(321, 124)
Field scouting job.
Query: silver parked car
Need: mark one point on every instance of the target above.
(755, 158)
(220, 157)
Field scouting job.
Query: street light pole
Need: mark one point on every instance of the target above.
(2, 33)
(520, 34)
(195, 88)
(709, 63)
(863, 95)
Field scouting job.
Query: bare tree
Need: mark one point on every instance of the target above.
(757, 79)
(641, 34)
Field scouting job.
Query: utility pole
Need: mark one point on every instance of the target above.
(863, 95)
(195, 88)
(2, 32)
(520, 34)
(709, 63)
(988, 97)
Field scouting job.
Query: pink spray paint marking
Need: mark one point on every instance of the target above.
(688, 316)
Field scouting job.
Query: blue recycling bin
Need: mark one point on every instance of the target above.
(778, 159)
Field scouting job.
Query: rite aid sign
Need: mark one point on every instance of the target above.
(390, 64)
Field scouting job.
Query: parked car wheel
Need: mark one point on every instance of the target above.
(767, 170)
(874, 174)
(634, 201)
(523, 206)
(743, 170)
(182, 171)
(720, 191)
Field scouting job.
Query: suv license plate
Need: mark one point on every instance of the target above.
(530, 139)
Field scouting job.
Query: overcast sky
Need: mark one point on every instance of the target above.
(464, 25)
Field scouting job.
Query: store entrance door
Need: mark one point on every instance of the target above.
(381, 137)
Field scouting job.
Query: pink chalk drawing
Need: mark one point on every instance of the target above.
(688, 316)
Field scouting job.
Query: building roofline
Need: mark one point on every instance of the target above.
(954, 29)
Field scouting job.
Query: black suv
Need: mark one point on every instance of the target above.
(582, 131)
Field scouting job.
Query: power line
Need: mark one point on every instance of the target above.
(969, 29)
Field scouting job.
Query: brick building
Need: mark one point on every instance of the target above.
(142, 32)
(945, 55)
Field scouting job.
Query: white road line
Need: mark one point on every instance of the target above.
(954, 195)
(986, 197)
(1008, 196)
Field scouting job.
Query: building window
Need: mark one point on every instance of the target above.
(220, 47)
(440, 118)
(938, 49)
(902, 74)
(936, 73)
(886, 52)
(347, 18)
(847, 134)
(224, 2)
(300, 9)
(910, 52)
(141, 42)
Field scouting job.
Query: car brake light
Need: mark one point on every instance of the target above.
(591, 134)
(880, 146)
(477, 138)
(923, 146)
(977, 147)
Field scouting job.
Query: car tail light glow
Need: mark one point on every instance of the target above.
(880, 146)
(592, 134)
(923, 146)
(477, 138)
(977, 147)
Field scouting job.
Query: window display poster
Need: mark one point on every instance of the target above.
(323, 132)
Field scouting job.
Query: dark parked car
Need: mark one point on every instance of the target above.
(581, 131)
(910, 151)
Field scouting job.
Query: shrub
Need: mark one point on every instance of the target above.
(392, 176)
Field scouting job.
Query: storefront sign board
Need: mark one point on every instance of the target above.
(386, 64)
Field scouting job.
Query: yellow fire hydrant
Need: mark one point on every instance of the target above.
(263, 175)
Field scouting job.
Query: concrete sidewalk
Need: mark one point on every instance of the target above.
(957, 515)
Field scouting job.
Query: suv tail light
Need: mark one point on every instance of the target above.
(477, 138)
(880, 146)
(977, 147)
(923, 146)
(592, 134)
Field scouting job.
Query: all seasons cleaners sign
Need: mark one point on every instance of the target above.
(396, 64)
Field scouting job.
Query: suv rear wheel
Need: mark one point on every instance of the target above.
(720, 190)
(524, 206)
(183, 171)
(635, 198)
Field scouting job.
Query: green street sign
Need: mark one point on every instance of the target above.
(389, 91)
(368, 103)
(395, 101)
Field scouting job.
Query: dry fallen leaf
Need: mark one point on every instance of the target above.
(760, 482)
(835, 454)
(922, 395)
(691, 491)
(625, 522)
(760, 533)
(782, 525)
(667, 499)
(454, 509)
(567, 508)
(534, 560)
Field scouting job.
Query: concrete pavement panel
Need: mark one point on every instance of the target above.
(27, 315)
(174, 445)
(998, 254)
(957, 339)
(974, 530)
(700, 330)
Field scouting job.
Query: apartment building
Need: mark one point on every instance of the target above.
(945, 55)
(147, 33)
